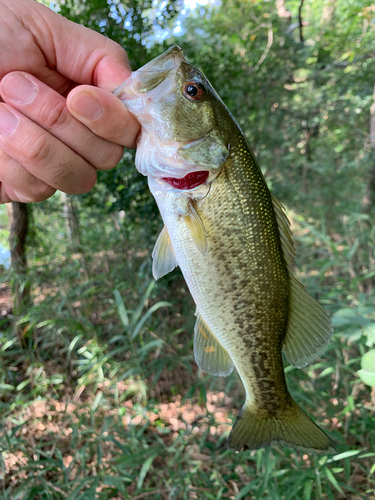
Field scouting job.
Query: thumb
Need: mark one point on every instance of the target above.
(74, 52)
(104, 114)
(112, 66)
(93, 59)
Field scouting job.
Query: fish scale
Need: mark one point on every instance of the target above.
(232, 241)
(229, 294)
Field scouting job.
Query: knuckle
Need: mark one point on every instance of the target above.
(114, 46)
(37, 149)
(54, 116)
(112, 159)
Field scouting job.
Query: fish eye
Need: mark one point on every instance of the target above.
(194, 91)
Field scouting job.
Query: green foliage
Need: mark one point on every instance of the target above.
(92, 404)
(100, 396)
(303, 106)
(367, 373)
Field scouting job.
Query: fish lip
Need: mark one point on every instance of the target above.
(154, 73)
(166, 61)
(136, 85)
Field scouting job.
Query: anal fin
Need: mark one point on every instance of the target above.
(309, 329)
(210, 355)
(164, 258)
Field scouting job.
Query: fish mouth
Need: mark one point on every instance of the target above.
(165, 62)
(151, 75)
(190, 181)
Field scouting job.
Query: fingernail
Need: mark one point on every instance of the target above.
(8, 122)
(85, 105)
(19, 88)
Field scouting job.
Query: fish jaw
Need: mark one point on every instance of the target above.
(150, 83)
(167, 149)
(151, 74)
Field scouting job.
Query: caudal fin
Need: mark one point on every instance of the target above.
(256, 429)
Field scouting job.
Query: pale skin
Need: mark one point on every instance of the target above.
(59, 121)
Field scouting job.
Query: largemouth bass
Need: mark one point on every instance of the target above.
(233, 243)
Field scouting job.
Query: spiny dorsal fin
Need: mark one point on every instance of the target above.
(309, 329)
(195, 225)
(164, 258)
(210, 355)
(285, 232)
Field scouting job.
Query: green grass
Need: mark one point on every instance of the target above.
(100, 397)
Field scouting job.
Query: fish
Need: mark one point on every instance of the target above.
(232, 241)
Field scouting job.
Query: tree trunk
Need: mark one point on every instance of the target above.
(71, 213)
(368, 201)
(19, 226)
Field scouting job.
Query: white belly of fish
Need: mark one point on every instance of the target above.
(200, 272)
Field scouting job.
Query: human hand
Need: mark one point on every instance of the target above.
(48, 142)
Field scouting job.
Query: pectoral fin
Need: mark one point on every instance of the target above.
(164, 258)
(210, 355)
(309, 328)
(195, 225)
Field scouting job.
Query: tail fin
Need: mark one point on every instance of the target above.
(254, 429)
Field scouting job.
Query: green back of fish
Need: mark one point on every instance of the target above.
(250, 241)
(244, 242)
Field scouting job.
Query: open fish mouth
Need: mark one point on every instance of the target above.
(190, 181)
(166, 61)
(151, 75)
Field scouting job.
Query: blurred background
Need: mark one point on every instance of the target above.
(100, 396)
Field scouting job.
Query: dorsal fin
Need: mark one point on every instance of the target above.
(210, 355)
(309, 329)
(285, 232)
(164, 258)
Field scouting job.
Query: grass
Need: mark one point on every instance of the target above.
(100, 397)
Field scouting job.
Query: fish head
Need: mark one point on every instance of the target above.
(185, 126)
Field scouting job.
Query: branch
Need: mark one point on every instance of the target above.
(300, 21)
(267, 49)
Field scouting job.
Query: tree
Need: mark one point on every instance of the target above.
(303, 105)
(19, 226)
